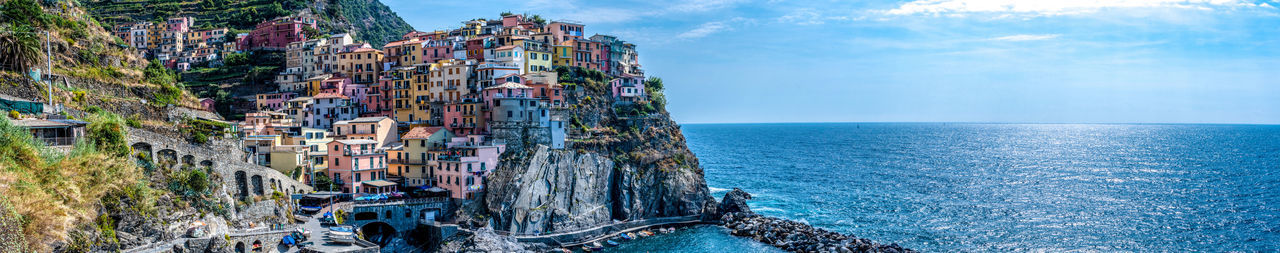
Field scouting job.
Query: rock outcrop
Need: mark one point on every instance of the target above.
(485, 240)
(620, 168)
(789, 235)
(734, 202)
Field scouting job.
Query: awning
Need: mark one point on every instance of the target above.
(379, 183)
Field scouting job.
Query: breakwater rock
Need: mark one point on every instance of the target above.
(799, 237)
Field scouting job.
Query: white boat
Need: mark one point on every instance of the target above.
(341, 235)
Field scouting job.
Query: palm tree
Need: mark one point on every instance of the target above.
(19, 48)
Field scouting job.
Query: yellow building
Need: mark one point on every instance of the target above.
(314, 83)
(422, 145)
(361, 65)
(563, 56)
(409, 94)
(403, 53)
(448, 81)
(290, 158)
(537, 54)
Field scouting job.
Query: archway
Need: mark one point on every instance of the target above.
(167, 158)
(189, 160)
(378, 232)
(142, 151)
(257, 246)
(206, 163)
(239, 247)
(242, 184)
(257, 184)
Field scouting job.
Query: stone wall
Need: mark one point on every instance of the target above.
(519, 135)
(239, 178)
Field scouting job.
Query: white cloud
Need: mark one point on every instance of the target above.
(1032, 8)
(1026, 37)
(704, 30)
(803, 17)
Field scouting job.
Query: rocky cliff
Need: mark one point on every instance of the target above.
(617, 166)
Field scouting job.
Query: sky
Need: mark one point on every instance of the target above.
(1035, 61)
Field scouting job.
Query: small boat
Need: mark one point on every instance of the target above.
(585, 248)
(611, 243)
(645, 233)
(562, 250)
(341, 235)
(596, 246)
(628, 236)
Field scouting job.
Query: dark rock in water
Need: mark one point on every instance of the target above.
(735, 202)
(795, 236)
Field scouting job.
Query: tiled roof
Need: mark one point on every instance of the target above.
(421, 132)
(331, 95)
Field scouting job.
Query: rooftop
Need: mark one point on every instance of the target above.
(509, 85)
(421, 132)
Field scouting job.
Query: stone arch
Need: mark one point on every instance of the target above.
(378, 232)
(189, 160)
(242, 184)
(167, 157)
(142, 148)
(257, 246)
(257, 184)
(206, 163)
(275, 185)
(239, 247)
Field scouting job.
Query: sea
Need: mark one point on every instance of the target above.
(944, 187)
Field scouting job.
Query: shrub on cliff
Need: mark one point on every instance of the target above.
(55, 193)
(107, 133)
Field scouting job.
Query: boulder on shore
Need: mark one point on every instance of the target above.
(789, 235)
(734, 202)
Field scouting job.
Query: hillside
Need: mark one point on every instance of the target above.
(103, 195)
(369, 20)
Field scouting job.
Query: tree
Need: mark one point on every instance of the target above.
(20, 49)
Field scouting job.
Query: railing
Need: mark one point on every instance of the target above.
(58, 141)
(349, 152)
(407, 161)
(401, 201)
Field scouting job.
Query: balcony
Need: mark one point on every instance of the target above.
(407, 161)
(383, 167)
(349, 152)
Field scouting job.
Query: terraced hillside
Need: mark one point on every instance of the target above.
(369, 20)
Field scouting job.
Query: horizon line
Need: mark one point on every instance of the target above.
(980, 122)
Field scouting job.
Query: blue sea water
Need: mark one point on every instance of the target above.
(1002, 187)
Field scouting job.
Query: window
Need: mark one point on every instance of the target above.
(357, 177)
(509, 114)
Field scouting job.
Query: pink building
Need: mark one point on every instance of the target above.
(359, 166)
(627, 88)
(273, 101)
(463, 118)
(179, 24)
(465, 163)
(276, 34)
(379, 99)
(562, 31)
(208, 104)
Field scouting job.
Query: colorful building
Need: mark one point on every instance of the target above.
(358, 166)
(381, 130)
(276, 34)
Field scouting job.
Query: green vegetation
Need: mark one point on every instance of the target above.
(20, 48)
(239, 14)
(53, 193)
(370, 20)
(654, 88)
